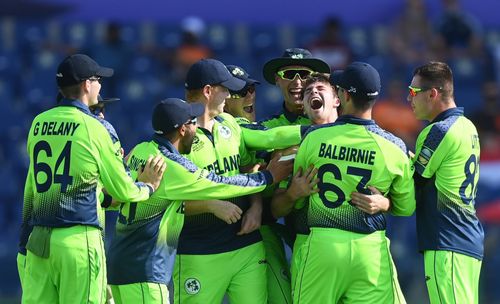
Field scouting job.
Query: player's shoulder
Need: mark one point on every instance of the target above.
(226, 118)
(272, 121)
(317, 130)
(388, 138)
(242, 121)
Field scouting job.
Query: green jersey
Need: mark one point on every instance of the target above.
(223, 150)
(286, 118)
(70, 152)
(446, 175)
(147, 233)
(350, 155)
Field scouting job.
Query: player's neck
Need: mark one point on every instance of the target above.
(205, 121)
(441, 107)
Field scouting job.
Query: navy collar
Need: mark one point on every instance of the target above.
(355, 120)
(65, 102)
(458, 111)
(164, 145)
(290, 116)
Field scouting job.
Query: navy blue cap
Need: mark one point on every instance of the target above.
(240, 73)
(102, 102)
(77, 68)
(211, 72)
(358, 78)
(294, 56)
(171, 113)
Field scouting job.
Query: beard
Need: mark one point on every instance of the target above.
(187, 143)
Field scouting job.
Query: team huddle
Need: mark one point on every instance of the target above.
(209, 203)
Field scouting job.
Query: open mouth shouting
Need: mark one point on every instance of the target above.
(316, 103)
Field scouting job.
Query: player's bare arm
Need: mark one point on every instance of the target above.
(252, 219)
(224, 210)
(303, 184)
(279, 169)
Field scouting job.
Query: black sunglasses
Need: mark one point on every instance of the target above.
(242, 93)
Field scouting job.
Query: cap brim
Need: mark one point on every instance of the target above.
(197, 109)
(104, 101)
(251, 81)
(234, 84)
(104, 72)
(273, 65)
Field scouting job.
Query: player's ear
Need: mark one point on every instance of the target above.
(434, 92)
(182, 130)
(207, 90)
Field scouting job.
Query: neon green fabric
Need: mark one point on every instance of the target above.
(140, 293)
(278, 276)
(285, 119)
(447, 170)
(75, 271)
(156, 223)
(300, 239)
(358, 266)
(452, 277)
(350, 155)
(204, 278)
(21, 264)
(70, 151)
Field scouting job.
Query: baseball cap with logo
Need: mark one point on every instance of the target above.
(77, 68)
(240, 73)
(358, 78)
(294, 56)
(171, 113)
(211, 72)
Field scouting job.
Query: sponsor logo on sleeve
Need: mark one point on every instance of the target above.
(424, 156)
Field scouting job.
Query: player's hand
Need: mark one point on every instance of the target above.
(279, 169)
(370, 203)
(153, 170)
(226, 211)
(252, 219)
(303, 183)
(253, 168)
(287, 151)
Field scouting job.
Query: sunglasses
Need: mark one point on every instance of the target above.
(191, 121)
(414, 90)
(242, 93)
(290, 74)
(98, 79)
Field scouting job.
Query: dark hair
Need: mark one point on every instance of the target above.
(437, 75)
(362, 103)
(72, 91)
(313, 78)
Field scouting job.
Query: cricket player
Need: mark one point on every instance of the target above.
(242, 105)
(346, 257)
(147, 233)
(103, 198)
(206, 242)
(70, 153)
(289, 72)
(321, 105)
(446, 174)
